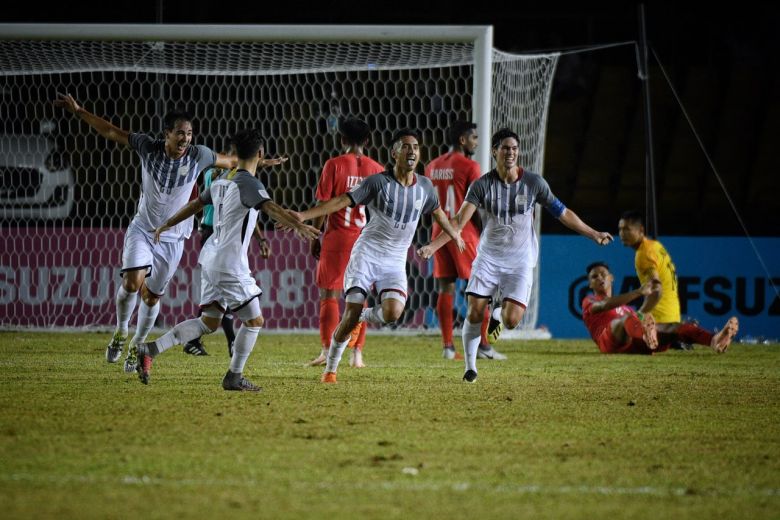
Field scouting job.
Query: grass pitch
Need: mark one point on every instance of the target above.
(557, 431)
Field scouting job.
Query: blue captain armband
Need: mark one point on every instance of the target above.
(556, 208)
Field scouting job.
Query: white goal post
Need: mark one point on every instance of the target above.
(67, 194)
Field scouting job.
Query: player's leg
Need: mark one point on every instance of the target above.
(137, 260)
(472, 328)
(445, 273)
(331, 267)
(515, 284)
(639, 328)
(353, 307)
(391, 287)
(692, 333)
(252, 321)
(195, 347)
(165, 260)
(329, 319)
(357, 339)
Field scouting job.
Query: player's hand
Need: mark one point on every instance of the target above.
(159, 231)
(459, 242)
(602, 238)
(425, 252)
(276, 161)
(315, 247)
(67, 102)
(307, 232)
(647, 288)
(265, 249)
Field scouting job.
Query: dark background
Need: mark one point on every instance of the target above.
(722, 61)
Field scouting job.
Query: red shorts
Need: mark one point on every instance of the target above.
(331, 267)
(609, 345)
(448, 262)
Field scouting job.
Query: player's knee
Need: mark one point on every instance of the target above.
(211, 322)
(257, 322)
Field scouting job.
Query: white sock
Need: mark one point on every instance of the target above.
(242, 347)
(125, 305)
(146, 318)
(182, 333)
(334, 354)
(374, 315)
(471, 336)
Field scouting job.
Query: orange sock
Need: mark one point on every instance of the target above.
(444, 306)
(329, 319)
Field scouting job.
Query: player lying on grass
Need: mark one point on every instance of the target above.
(226, 281)
(618, 329)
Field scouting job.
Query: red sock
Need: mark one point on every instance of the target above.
(485, 323)
(690, 333)
(329, 319)
(444, 306)
(633, 327)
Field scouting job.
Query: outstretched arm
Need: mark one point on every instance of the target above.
(326, 208)
(573, 222)
(103, 127)
(287, 220)
(610, 303)
(441, 218)
(457, 223)
(184, 213)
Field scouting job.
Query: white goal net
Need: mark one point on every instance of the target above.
(67, 194)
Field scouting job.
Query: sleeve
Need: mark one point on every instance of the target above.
(587, 303)
(252, 192)
(205, 196)
(327, 179)
(206, 156)
(545, 197)
(366, 190)
(646, 260)
(141, 143)
(431, 198)
(476, 193)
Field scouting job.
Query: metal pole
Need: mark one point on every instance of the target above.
(483, 90)
(651, 214)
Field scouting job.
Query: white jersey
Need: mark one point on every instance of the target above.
(236, 197)
(394, 211)
(508, 237)
(166, 184)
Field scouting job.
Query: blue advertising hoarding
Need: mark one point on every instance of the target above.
(718, 277)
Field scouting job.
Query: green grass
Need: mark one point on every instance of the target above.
(557, 431)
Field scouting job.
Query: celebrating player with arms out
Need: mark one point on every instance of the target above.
(226, 281)
(508, 248)
(396, 199)
(339, 175)
(618, 329)
(452, 174)
(169, 169)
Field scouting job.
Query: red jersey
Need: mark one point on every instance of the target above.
(339, 175)
(596, 322)
(452, 174)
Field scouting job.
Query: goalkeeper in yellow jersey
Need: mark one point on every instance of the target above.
(652, 263)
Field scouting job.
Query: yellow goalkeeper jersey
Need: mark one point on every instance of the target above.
(651, 256)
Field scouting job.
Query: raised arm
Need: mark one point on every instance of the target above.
(103, 127)
(647, 290)
(184, 213)
(457, 223)
(573, 222)
(287, 220)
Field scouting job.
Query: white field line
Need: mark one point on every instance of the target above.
(411, 484)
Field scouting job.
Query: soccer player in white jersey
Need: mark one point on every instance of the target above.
(395, 199)
(508, 248)
(169, 169)
(226, 281)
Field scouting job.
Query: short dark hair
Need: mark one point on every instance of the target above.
(405, 132)
(169, 121)
(502, 134)
(355, 131)
(248, 142)
(457, 129)
(595, 265)
(633, 217)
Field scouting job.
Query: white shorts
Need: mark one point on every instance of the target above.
(159, 260)
(363, 272)
(227, 291)
(515, 282)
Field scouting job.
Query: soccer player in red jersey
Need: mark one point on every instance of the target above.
(339, 175)
(452, 173)
(618, 329)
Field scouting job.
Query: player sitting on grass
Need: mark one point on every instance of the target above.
(618, 329)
